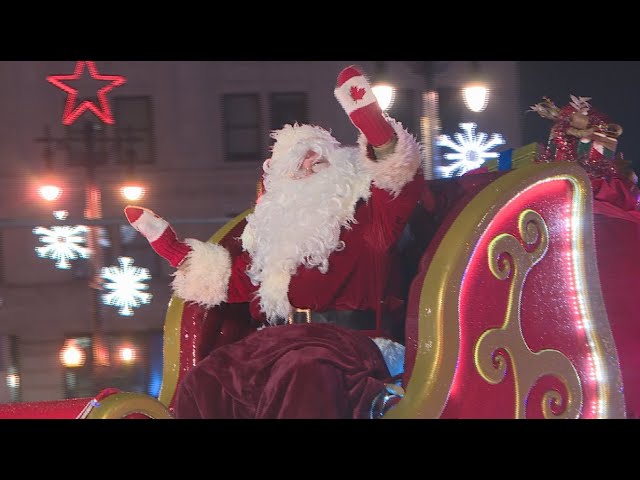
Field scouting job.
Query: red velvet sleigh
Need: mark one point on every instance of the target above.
(508, 313)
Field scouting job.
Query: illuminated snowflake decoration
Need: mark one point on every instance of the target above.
(125, 285)
(62, 243)
(471, 150)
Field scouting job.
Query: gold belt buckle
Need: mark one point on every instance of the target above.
(306, 311)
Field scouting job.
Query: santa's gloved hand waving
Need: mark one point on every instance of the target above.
(357, 98)
(158, 232)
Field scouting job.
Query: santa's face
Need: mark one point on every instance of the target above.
(313, 162)
(299, 151)
(298, 196)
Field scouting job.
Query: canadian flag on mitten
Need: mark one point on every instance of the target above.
(159, 233)
(356, 97)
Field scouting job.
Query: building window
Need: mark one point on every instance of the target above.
(130, 362)
(129, 244)
(84, 268)
(288, 108)
(87, 139)
(129, 141)
(451, 110)
(10, 388)
(241, 118)
(2, 274)
(134, 130)
(404, 110)
(134, 245)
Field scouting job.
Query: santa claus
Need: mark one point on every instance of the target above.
(318, 268)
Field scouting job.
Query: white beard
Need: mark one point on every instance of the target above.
(298, 222)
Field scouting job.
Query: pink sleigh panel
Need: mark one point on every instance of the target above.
(506, 317)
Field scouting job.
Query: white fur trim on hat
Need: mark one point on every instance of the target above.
(204, 275)
(292, 142)
(395, 170)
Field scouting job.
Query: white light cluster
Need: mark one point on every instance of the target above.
(50, 192)
(476, 97)
(125, 285)
(384, 95)
(471, 150)
(60, 214)
(13, 380)
(62, 243)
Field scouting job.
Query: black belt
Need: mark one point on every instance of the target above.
(354, 319)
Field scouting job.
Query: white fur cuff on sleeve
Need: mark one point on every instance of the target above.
(204, 275)
(395, 170)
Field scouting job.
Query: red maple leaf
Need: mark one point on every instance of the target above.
(357, 93)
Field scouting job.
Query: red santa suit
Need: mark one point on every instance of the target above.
(322, 240)
(308, 370)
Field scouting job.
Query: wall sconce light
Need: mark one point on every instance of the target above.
(382, 88)
(476, 92)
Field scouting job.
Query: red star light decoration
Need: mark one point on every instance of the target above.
(103, 112)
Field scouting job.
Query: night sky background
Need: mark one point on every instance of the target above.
(612, 85)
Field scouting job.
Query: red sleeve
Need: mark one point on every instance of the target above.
(384, 217)
(240, 287)
(357, 274)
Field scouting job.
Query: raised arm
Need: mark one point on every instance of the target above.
(204, 270)
(388, 153)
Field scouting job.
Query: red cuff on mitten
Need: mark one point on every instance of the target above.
(356, 97)
(159, 233)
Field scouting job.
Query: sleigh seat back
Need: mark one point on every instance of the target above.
(505, 316)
